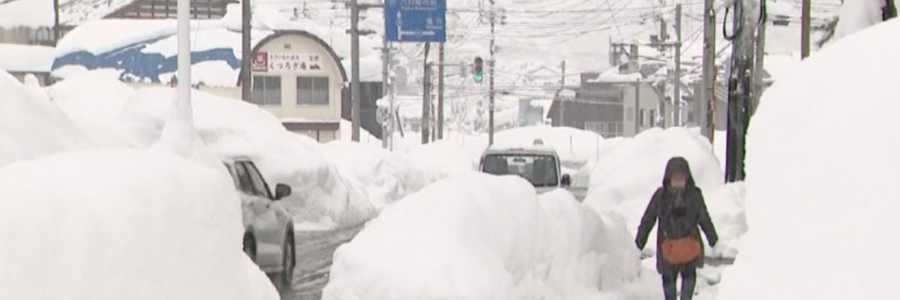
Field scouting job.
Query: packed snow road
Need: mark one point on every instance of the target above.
(315, 250)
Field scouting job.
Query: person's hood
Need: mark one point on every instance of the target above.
(678, 164)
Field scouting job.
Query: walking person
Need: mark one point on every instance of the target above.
(681, 211)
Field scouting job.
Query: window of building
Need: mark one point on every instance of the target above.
(641, 119)
(266, 90)
(312, 90)
(652, 118)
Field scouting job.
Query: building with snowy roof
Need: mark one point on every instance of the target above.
(610, 104)
(297, 76)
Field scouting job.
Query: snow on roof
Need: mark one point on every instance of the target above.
(40, 13)
(26, 13)
(613, 76)
(77, 12)
(24, 58)
(216, 46)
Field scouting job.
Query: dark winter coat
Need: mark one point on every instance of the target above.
(662, 207)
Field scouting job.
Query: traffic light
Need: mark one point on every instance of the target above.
(479, 70)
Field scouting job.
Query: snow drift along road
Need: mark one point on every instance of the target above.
(31, 126)
(822, 195)
(113, 112)
(111, 224)
(485, 237)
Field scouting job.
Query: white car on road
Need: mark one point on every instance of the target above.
(268, 227)
(538, 164)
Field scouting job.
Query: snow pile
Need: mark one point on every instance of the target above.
(170, 229)
(485, 237)
(236, 128)
(449, 156)
(26, 13)
(630, 170)
(857, 15)
(26, 58)
(385, 177)
(31, 126)
(575, 147)
(822, 195)
(109, 222)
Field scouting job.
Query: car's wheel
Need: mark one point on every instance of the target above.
(289, 261)
(250, 246)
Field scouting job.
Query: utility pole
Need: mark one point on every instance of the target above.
(637, 107)
(387, 131)
(55, 22)
(677, 80)
(564, 73)
(707, 96)
(806, 25)
(760, 62)
(491, 82)
(426, 97)
(246, 56)
(354, 68)
(740, 87)
(183, 102)
(440, 106)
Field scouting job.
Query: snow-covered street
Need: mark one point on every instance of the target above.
(449, 149)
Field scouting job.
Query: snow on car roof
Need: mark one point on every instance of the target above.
(533, 149)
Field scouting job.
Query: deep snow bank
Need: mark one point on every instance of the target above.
(31, 126)
(384, 176)
(855, 16)
(822, 195)
(630, 170)
(575, 147)
(235, 128)
(113, 224)
(485, 237)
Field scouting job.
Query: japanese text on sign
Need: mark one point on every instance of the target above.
(294, 62)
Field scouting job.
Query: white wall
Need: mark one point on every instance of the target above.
(649, 103)
(289, 108)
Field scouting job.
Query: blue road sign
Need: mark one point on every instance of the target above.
(415, 20)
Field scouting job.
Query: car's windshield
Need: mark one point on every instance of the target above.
(540, 170)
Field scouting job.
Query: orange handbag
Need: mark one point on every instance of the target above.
(681, 251)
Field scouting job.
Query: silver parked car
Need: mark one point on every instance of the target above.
(268, 227)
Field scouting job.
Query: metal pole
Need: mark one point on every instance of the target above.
(491, 82)
(677, 79)
(426, 97)
(354, 57)
(740, 86)
(707, 96)
(805, 25)
(184, 56)
(246, 56)
(440, 105)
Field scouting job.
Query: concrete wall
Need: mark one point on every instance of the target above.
(643, 118)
